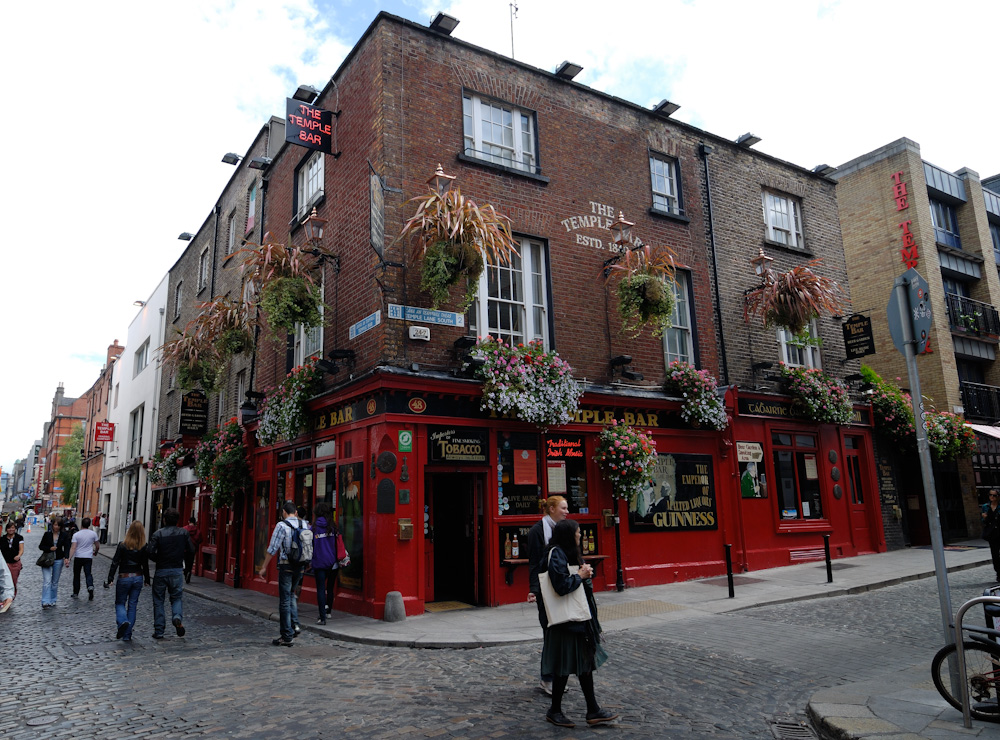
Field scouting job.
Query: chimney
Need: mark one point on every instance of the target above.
(114, 350)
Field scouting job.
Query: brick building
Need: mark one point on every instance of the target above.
(98, 401)
(561, 161)
(899, 211)
(67, 413)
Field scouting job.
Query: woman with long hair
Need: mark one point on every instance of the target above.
(324, 560)
(572, 647)
(12, 548)
(554, 509)
(57, 540)
(132, 563)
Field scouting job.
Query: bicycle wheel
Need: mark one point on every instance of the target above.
(982, 668)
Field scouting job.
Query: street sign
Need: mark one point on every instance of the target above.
(918, 312)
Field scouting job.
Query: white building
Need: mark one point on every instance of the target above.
(135, 388)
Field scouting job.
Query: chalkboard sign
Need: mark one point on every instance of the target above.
(887, 482)
(194, 413)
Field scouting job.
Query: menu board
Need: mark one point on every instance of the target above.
(887, 482)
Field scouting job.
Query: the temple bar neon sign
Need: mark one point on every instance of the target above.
(308, 126)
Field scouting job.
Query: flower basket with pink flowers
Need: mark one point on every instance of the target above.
(626, 456)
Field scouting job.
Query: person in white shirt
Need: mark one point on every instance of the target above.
(6, 587)
(85, 547)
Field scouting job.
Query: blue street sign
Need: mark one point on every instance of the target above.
(425, 315)
(368, 322)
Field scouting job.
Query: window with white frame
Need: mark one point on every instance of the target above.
(309, 341)
(203, 271)
(116, 395)
(309, 183)
(135, 432)
(783, 219)
(178, 295)
(677, 344)
(231, 238)
(515, 308)
(141, 359)
(251, 207)
(800, 350)
(241, 387)
(666, 191)
(221, 408)
(499, 133)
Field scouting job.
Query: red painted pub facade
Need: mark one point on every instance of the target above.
(434, 495)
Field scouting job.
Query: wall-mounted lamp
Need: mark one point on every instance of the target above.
(440, 182)
(465, 342)
(824, 169)
(622, 363)
(259, 163)
(305, 93)
(330, 368)
(313, 227)
(140, 304)
(761, 263)
(758, 366)
(665, 108)
(621, 230)
(631, 375)
(568, 70)
(621, 360)
(248, 411)
(444, 23)
(185, 236)
(231, 158)
(748, 140)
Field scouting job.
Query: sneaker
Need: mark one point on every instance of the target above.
(74, 596)
(545, 686)
(329, 611)
(601, 715)
(281, 642)
(122, 629)
(297, 629)
(90, 597)
(559, 719)
(6, 605)
(178, 626)
(320, 621)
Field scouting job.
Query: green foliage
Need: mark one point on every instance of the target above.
(444, 265)
(645, 298)
(816, 395)
(288, 301)
(222, 463)
(892, 408)
(68, 473)
(203, 373)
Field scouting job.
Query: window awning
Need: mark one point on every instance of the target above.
(983, 429)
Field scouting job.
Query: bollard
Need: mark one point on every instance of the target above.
(395, 611)
(729, 571)
(829, 565)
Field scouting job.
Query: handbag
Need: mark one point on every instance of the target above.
(46, 559)
(572, 607)
(343, 557)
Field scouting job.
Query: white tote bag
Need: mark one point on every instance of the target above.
(572, 607)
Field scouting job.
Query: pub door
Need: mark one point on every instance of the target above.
(453, 538)
(861, 501)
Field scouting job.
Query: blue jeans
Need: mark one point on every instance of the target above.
(50, 583)
(127, 590)
(288, 577)
(172, 580)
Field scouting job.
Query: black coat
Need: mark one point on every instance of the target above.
(991, 524)
(536, 556)
(63, 544)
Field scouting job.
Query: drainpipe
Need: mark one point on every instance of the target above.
(704, 150)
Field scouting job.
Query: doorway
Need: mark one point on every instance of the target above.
(860, 499)
(452, 540)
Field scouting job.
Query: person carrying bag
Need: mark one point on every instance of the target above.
(573, 639)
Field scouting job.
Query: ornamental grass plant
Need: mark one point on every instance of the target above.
(702, 406)
(626, 456)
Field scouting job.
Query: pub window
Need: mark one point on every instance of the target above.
(499, 133)
(796, 475)
(517, 298)
(783, 219)
(178, 299)
(665, 184)
(308, 184)
(801, 350)
(520, 482)
(203, 271)
(677, 345)
(231, 237)
(309, 340)
(566, 470)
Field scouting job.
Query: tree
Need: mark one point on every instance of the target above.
(68, 473)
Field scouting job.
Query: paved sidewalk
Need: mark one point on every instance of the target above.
(902, 706)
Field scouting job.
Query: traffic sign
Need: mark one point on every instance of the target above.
(917, 311)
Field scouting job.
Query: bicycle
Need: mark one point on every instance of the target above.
(982, 668)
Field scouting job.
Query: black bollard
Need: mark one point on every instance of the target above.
(729, 570)
(829, 565)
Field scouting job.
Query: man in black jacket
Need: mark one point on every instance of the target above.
(167, 548)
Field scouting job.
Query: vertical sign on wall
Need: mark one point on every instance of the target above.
(376, 211)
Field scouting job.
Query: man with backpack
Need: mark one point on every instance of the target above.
(292, 543)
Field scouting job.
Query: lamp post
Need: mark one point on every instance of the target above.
(620, 573)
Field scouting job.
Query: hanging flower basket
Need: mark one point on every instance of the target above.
(203, 374)
(162, 469)
(444, 265)
(527, 382)
(794, 298)
(893, 410)
(222, 463)
(283, 412)
(626, 457)
(702, 406)
(645, 289)
(288, 301)
(816, 396)
(949, 437)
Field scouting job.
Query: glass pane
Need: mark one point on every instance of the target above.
(805, 440)
(784, 471)
(812, 505)
(781, 439)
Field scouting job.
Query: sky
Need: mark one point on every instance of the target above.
(116, 115)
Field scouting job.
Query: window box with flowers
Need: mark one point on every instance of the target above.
(626, 457)
(893, 410)
(221, 461)
(283, 413)
(702, 406)
(162, 469)
(949, 437)
(817, 396)
(527, 382)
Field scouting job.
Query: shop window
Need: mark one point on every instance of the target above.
(296, 485)
(516, 309)
(520, 482)
(796, 476)
(566, 471)
(665, 180)
(783, 220)
(499, 133)
(677, 345)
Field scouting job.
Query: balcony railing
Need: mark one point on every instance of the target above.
(981, 402)
(972, 317)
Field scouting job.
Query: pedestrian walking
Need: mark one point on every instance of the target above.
(104, 529)
(324, 559)
(131, 560)
(289, 571)
(572, 648)
(12, 548)
(554, 510)
(167, 548)
(58, 542)
(85, 546)
(193, 532)
(6, 587)
(991, 528)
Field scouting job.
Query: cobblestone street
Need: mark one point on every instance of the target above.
(722, 676)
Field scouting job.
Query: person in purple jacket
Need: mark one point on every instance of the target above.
(324, 560)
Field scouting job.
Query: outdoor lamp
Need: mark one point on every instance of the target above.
(621, 230)
(313, 226)
(439, 181)
(231, 158)
(761, 263)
